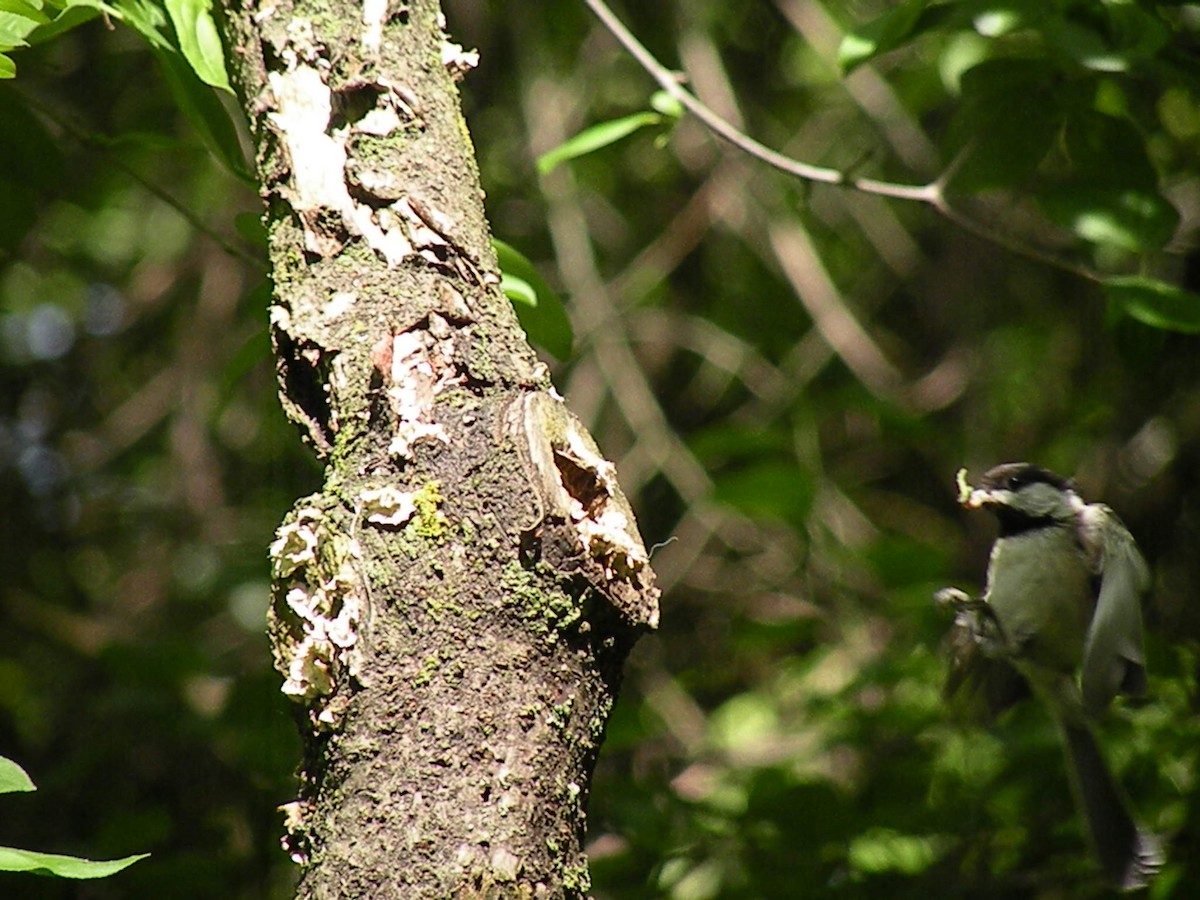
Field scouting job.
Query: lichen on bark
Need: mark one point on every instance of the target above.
(452, 610)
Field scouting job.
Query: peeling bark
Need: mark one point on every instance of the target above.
(451, 612)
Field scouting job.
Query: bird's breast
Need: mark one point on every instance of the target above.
(1040, 587)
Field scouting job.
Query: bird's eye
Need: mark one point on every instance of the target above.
(1015, 482)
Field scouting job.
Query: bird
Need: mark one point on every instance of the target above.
(1060, 618)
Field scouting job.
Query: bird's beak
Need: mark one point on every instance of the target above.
(972, 498)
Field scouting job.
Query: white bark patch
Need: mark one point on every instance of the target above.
(318, 158)
(315, 623)
(373, 17)
(380, 121)
(339, 304)
(304, 107)
(329, 615)
(458, 62)
(422, 366)
(387, 505)
(605, 526)
(281, 318)
(295, 543)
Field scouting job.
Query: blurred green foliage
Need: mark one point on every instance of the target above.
(12, 859)
(787, 376)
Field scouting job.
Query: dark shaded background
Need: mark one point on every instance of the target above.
(783, 734)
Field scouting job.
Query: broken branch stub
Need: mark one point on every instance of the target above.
(573, 484)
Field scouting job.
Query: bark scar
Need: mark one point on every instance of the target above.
(575, 485)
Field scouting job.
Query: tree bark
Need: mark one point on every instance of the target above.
(451, 612)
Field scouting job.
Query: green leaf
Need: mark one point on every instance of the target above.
(250, 228)
(518, 290)
(13, 777)
(206, 112)
(1084, 45)
(1139, 33)
(14, 28)
(997, 18)
(142, 16)
(596, 137)
(1107, 150)
(1155, 303)
(199, 41)
(545, 321)
(14, 860)
(669, 106)
(879, 35)
(1134, 220)
(23, 24)
(24, 9)
(63, 22)
(886, 850)
(1006, 123)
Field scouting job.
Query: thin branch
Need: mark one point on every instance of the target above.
(104, 144)
(655, 440)
(1012, 243)
(670, 82)
(933, 194)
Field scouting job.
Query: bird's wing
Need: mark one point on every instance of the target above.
(1113, 661)
(980, 684)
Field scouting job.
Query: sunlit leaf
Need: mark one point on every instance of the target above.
(885, 850)
(69, 18)
(544, 320)
(595, 138)
(14, 860)
(661, 101)
(1133, 220)
(518, 290)
(1155, 302)
(199, 41)
(880, 35)
(14, 28)
(24, 9)
(13, 777)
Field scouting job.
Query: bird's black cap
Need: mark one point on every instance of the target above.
(1014, 476)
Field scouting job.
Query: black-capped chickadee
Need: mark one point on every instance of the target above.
(1064, 586)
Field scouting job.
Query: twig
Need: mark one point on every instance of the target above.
(104, 144)
(932, 194)
(670, 82)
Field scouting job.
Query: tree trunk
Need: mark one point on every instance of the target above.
(451, 612)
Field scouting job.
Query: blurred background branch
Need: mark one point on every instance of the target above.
(787, 376)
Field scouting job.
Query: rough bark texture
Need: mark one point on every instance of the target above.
(452, 611)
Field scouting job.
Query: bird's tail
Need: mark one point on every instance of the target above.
(1129, 855)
